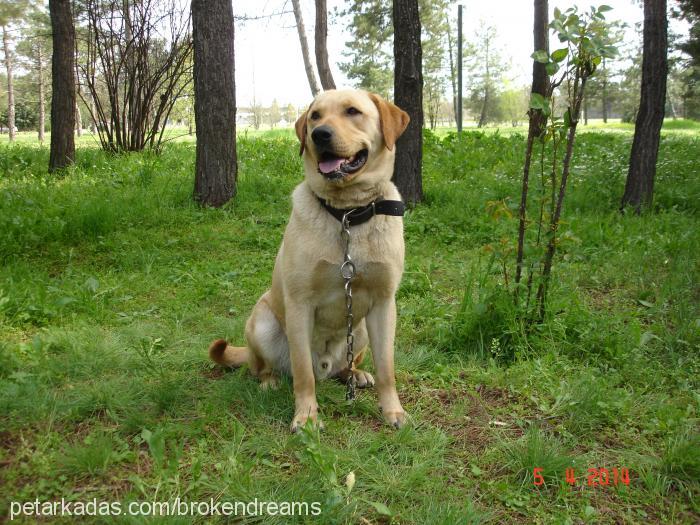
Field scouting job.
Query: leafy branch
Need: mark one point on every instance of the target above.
(586, 42)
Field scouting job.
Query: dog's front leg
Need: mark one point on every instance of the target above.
(381, 325)
(299, 325)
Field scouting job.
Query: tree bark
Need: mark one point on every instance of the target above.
(214, 102)
(63, 85)
(10, 85)
(308, 67)
(93, 125)
(605, 93)
(42, 92)
(639, 188)
(320, 37)
(78, 116)
(540, 85)
(579, 93)
(540, 79)
(487, 86)
(452, 66)
(408, 95)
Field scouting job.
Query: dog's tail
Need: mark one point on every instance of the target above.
(226, 355)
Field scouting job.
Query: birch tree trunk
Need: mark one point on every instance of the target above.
(308, 67)
(42, 92)
(10, 85)
(78, 116)
(320, 38)
(453, 74)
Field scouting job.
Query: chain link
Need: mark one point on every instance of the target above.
(347, 271)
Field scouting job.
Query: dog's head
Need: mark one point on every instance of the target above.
(348, 137)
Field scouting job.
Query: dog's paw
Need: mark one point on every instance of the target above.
(363, 379)
(270, 382)
(396, 418)
(302, 417)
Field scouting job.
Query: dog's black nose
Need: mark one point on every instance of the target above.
(322, 135)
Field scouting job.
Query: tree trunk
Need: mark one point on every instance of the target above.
(214, 102)
(308, 67)
(10, 85)
(452, 66)
(408, 95)
(579, 93)
(540, 79)
(540, 85)
(42, 93)
(63, 85)
(93, 125)
(78, 119)
(78, 96)
(639, 189)
(605, 93)
(321, 34)
(484, 108)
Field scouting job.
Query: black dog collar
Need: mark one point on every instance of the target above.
(365, 213)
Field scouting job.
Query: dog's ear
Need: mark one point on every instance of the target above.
(392, 119)
(300, 128)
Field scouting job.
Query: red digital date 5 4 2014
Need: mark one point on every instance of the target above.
(597, 477)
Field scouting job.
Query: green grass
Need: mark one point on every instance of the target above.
(112, 284)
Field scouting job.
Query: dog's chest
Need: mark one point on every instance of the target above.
(372, 279)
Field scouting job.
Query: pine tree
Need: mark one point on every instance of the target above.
(369, 52)
(487, 68)
(63, 85)
(214, 102)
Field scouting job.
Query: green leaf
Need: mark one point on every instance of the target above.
(537, 101)
(380, 508)
(560, 54)
(604, 8)
(646, 337)
(540, 56)
(567, 118)
(551, 68)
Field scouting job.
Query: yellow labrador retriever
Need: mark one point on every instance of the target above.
(299, 325)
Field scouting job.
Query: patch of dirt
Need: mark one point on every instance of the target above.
(216, 372)
(600, 298)
(8, 440)
(473, 418)
(9, 443)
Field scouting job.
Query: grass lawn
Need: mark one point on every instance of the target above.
(112, 284)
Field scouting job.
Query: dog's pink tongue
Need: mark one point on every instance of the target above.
(329, 166)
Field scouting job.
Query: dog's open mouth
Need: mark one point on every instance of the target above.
(333, 167)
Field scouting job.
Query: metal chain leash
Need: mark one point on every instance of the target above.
(347, 271)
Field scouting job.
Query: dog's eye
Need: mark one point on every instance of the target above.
(315, 115)
(353, 111)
